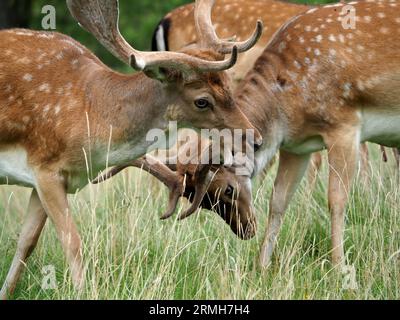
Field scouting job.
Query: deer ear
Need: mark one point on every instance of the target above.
(164, 75)
(159, 74)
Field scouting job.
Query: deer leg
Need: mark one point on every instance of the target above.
(31, 230)
(314, 168)
(342, 157)
(52, 193)
(290, 172)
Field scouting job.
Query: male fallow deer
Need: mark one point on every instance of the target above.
(66, 116)
(319, 85)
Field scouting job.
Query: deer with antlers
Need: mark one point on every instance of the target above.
(319, 86)
(66, 116)
(227, 194)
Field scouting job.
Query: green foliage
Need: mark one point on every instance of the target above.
(138, 21)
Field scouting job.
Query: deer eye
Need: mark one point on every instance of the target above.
(202, 103)
(229, 190)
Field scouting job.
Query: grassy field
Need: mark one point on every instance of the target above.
(131, 254)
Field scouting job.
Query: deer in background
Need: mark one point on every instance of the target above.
(176, 30)
(66, 116)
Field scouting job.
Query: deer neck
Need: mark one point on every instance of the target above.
(123, 109)
(261, 100)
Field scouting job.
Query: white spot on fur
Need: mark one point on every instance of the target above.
(367, 19)
(45, 87)
(59, 56)
(24, 60)
(384, 30)
(346, 90)
(28, 77)
(26, 119)
(46, 109)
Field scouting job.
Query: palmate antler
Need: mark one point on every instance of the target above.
(100, 18)
(175, 181)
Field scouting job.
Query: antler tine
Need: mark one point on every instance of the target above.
(208, 37)
(159, 170)
(101, 17)
(109, 174)
(202, 182)
(181, 61)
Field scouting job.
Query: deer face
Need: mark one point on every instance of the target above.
(204, 99)
(230, 196)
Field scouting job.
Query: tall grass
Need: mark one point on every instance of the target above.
(131, 254)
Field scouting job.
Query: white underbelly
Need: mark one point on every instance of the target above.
(14, 168)
(381, 126)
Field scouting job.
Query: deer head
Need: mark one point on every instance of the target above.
(197, 89)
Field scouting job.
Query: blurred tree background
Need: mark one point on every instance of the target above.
(138, 21)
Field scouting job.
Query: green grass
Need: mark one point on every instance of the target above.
(131, 254)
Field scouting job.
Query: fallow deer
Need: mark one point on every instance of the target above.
(66, 116)
(321, 86)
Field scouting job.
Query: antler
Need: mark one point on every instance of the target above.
(202, 181)
(173, 180)
(208, 37)
(100, 18)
